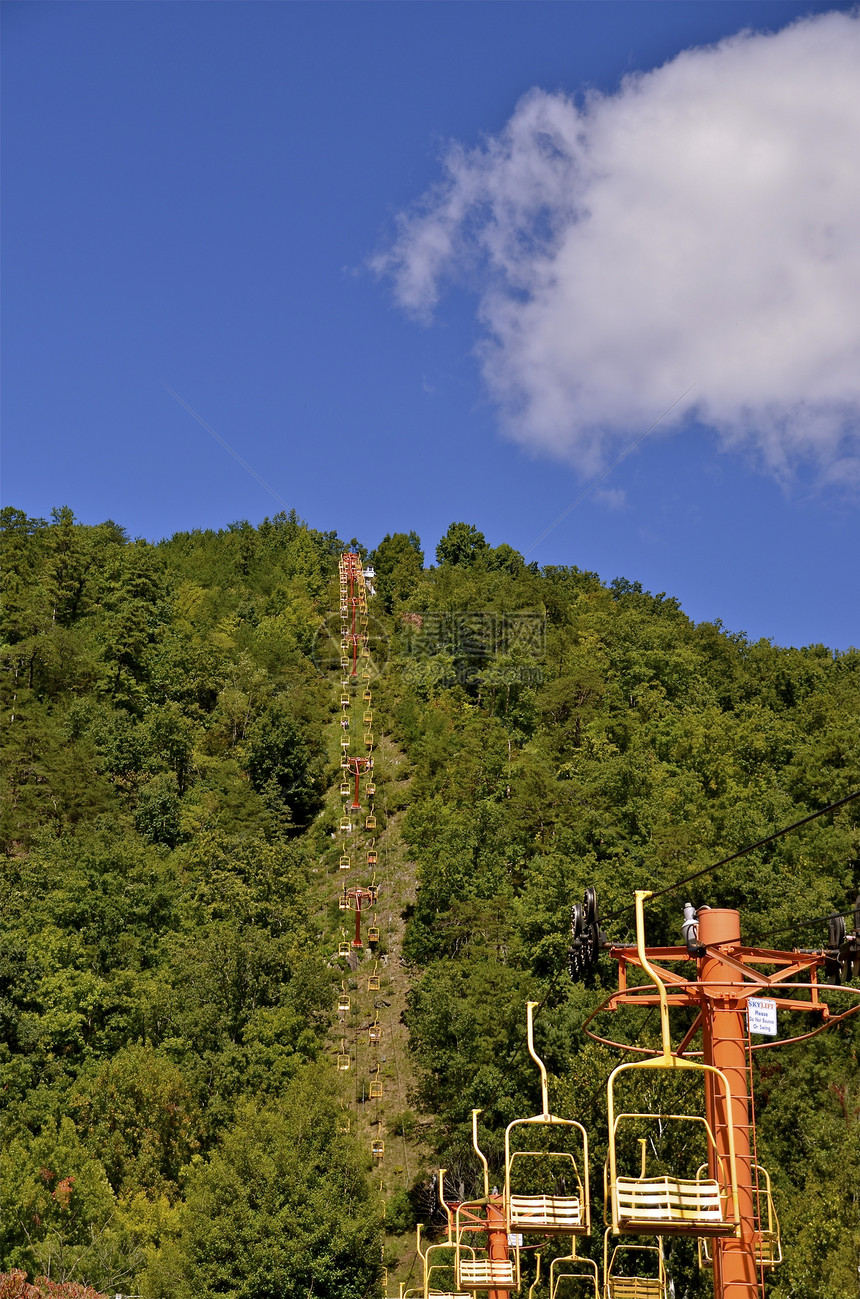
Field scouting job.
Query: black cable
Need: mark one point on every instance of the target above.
(811, 924)
(742, 852)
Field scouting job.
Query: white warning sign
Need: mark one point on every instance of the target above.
(762, 1016)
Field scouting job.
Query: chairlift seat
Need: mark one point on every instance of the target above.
(343, 949)
(377, 1149)
(368, 740)
(343, 1002)
(343, 1063)
(634, 1287)
(545, 1213)
(373, 934)
(373, 983)
(376, 1091)
(345, 862)
(372, 857)
(367, 696)
(671, 1205)
(370, 822)
(486, 1274)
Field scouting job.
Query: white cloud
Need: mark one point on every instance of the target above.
(701, 226)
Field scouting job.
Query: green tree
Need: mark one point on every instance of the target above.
(462, 545)
(283, 1207)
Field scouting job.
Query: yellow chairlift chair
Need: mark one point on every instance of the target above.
(376, 1085)
(645, 1271)
(343, 1057)
(370, 790)
(439, 1259)
(475, 1269)
(663, 1205)
(370, 820)
(345, 790)
(572, 1268)
(545, 1211)
(343, 1002)
(374, 1033)
(767, 1241)
(345, 861)
(373, 981)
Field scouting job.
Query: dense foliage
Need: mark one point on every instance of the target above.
(171, 1116)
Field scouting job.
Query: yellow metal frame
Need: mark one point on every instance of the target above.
(547, 1214)
(727, 1225)
(345, 862)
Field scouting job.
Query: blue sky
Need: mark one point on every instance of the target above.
(193, 197)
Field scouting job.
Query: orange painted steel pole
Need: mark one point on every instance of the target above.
(497, 1237)
(724, 1035)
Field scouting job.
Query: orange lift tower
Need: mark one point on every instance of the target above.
(722, 1203)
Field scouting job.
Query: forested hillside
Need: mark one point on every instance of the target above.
(174, 1121)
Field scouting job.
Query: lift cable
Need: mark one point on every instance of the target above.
(742, 852)
(811, 924)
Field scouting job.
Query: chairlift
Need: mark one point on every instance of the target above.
(344, 789)
(344, 762)
(767, 1239)
(572, 1267)
(346, 825)
(546, 1212)
(372, 857)
(345, 861)
(474, 1267)
(636, 1259)
(345, 701)
(370, 819)
(368, 719)
(377, 1149)
(368, 740)
(370, 790)
(343, 1002)
(373, 934)
(343, 949)
(374, 1033)
(662, 1205)
(373, 980)
(368, 696)
(343, 1056)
